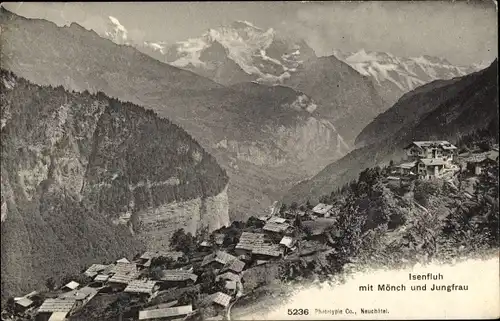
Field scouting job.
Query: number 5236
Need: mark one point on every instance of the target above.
(298, 311)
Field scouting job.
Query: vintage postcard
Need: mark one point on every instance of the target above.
(319, 160)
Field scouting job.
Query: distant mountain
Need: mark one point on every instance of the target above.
(239, 52)
(444, 110)
(395, 76)
(87, 178)
(267, 138)
(242, 52)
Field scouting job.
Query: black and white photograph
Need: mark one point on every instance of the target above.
(249, 160)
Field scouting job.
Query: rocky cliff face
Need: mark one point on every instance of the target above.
(81, 172)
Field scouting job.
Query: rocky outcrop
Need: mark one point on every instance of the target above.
(154, 226)
(78, 172)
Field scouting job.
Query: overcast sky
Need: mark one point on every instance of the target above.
(462, 32)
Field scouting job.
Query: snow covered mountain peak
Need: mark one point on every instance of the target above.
(401, 74)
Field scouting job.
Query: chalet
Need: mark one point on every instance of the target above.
(248, 241)
(80, 296)
(219, 300)
(277, 220)
(431, 149)
(407, 169)
(231, 287)
(172, 313)
(287, 243)
(322, 210)
(277, 230)
(122, 274)
(428, 168)
(22, 304)
(102, 278)
(174, 278)
(217, 260)
(95, 269)
(59, 307)
(267, 251)
(144, 288)
(476, 163)
(71, 286)
(235, 266)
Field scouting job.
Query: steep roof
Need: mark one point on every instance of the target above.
(165, 312)
(432, 143)
(276, 219)
(94, 269)
(178, 275)
(140, 286)
(267, 249)
(72, 285)
(80, 294)
(24, 302)
(124, 277)
(248, 240)
(123, 268)
(322, 208)
(235, 265)
(123, 260)
(219, 298)
(218, 256)
(57, 305)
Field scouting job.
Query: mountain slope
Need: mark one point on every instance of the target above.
(465, 104)
(260, 153)
(393, 76)
(86, 177)
(348, 99)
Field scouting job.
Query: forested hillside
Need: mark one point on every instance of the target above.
(76, 171)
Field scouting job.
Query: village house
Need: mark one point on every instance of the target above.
(80, 296)
(247, 242)
(122, 274)
(70, 286)
(275, 231)
(55, 309)
(177, 278)
(95, 269)
(431, 149)
(219, 300)
(288, 244)
(235, 266)
(428, 160)
(143, 288)
(217, 260)
(22, 304)
(169, 313)
(267, 251)
(474, 164)
(322, 210)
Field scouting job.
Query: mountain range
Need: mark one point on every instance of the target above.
(442, 110)
(266, 138)
(393, 76)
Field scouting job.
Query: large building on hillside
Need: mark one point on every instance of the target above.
(429, 159)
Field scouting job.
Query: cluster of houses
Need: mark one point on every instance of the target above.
(275, 239)
(440, 159)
